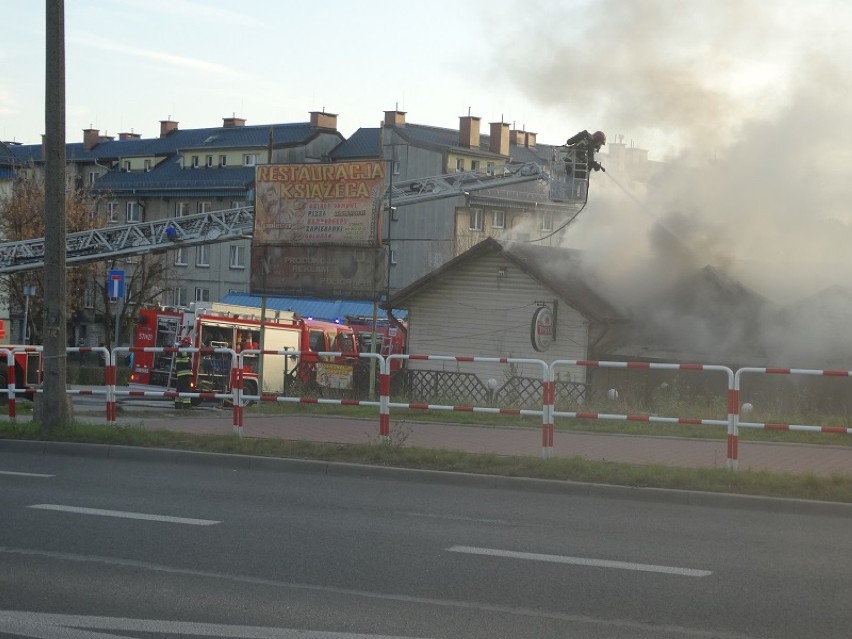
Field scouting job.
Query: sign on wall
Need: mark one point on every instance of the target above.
(310, 204)
(542, 330)
(319, 271)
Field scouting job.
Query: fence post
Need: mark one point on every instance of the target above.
(10, 380)
(237, 391)
(548, 400)
(110, 377)
(733, 421)
(384, 399)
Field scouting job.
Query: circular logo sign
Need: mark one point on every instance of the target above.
(542, 329)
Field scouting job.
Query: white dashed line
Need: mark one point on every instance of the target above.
(125, 515)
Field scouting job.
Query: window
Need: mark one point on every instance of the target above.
(238, 256)
(127, 165)
(180, 297)
(112, 211)
(459, 164)
(474, 165)
(202, 294)
(147, 165)
(202, 255)
(393, 256)
(93, 175)
(194, 161)
(396, 167)
(89, 296)
(499, 221)
(204, 207)
(489, 168)
(223, 160)
(547, 222)
(250, 159)
(317, 341)
(134, 212)
(475, 219)
(181, 209)
(180, 257)
(209, 161)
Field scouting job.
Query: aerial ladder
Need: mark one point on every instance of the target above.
(158, 236)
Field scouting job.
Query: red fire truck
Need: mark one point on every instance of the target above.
(390, 337)
(239, 328)
(27, 371)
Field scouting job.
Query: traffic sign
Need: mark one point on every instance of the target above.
(115, 284)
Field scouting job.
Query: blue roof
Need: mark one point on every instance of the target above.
(364, 143)
(329, 310)
(168, 176)
(178, 139)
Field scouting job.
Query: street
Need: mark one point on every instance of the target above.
(181, 549)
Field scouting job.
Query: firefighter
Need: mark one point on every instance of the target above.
(585, 146)
(183, 372)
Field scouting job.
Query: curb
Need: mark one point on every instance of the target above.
(365, 471)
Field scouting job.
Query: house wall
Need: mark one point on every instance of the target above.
(474, 311)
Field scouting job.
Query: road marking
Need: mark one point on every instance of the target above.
(581, 561)
(43, 625)
(125, 515)
(649, 629)
(13, 473)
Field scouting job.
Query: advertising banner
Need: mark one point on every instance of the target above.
(310, 204)
(339, 272)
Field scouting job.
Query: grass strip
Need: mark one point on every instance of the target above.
(837, 488)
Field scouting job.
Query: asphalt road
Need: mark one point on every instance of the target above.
(134, 547)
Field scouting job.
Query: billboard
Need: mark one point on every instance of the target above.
(310, 204)
(340, 272)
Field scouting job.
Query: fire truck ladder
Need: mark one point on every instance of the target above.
(224, 226)
(133, 239)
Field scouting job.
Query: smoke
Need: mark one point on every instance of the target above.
(746, 103)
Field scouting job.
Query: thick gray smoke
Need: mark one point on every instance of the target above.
(748, 106)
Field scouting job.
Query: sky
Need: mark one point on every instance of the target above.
(746, 102)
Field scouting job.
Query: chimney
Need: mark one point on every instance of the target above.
(229, 123)
(499, 140)
(518, 137)
(91, 137)
(105, 138)
(394, 118)
(323, 120)
(129, 136)
(469, 131)
(167, 126)
(531, 139)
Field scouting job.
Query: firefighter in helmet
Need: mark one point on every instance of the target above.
(585, 146)
(183, 372)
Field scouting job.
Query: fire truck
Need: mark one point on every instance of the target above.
(27, 371)
(240, 329)
(390, 337)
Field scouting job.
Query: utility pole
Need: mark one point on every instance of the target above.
(56, 411)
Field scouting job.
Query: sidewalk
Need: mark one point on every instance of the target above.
(632, 449)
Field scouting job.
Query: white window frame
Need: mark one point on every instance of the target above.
(489, 168)
(223, 160)
(237, 257)
(202, 294)
(133, 212)
(459, 165)
(194, 162)
(180, 257)
(498, 221)
(204, 207)
(112, 211)
(126, 164)
(397, 166)
(202, 255)
(208, 161)
(392, 257)
(475, 220)
(148, 165)
(474, 165)
(89, 296)
(250, 159)
(93, 175)
(180, 296)
(181, 209)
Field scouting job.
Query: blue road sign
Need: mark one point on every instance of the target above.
(115, 284)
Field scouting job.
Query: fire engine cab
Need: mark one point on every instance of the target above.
(240, 329)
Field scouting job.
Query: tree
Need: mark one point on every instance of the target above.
(21, 219)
